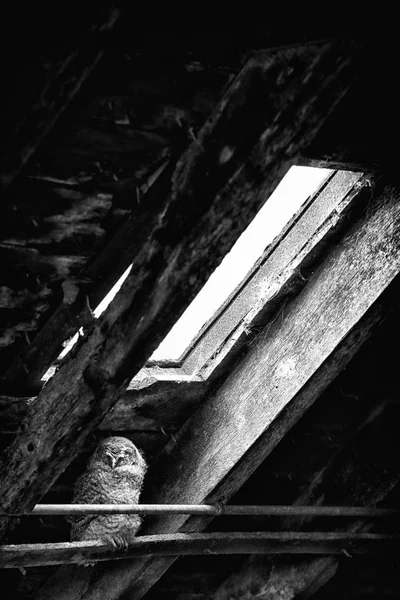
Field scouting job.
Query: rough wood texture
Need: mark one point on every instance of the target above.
(153, 406)
(95, 280)
(355, 397)
(249, 123)
(285, 542)
(292, 362)
(63, 82)
(365, 471)
(282, 272)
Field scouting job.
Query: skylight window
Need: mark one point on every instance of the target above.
(292, 192)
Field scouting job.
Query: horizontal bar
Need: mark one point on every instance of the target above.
(284, 542)
(208, 509)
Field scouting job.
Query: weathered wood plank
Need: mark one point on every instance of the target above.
(365, 470)
(282, 375)
(64, 82)
(282, 542)
(249, 131)
(283, 272)
(151, 406)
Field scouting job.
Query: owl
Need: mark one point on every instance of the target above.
(114, 475)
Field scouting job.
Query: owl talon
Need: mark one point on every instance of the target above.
(118, 542)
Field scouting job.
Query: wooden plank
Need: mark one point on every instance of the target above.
(365, 470)
(64, 81)
(249, 130)
(151, 406)
(281, 542)
(269, 390)
(285, 266)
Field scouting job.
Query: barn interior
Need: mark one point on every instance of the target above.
(155, 151)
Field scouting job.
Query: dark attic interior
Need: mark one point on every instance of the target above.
(148, 154)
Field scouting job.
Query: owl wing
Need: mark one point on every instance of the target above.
(87, 491)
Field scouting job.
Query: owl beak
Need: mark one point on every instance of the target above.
(112, 460)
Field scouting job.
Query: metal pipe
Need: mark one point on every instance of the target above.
(208, 509)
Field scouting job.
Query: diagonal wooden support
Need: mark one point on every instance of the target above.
(282, 375)
(365, 471)
(25, 373)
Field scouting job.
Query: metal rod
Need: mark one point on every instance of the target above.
(208, 509)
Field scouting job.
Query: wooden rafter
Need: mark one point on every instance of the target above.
(368, 451)
(103, 272)
(284, 372)
(166, 404)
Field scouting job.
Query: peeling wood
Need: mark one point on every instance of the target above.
(285, 542)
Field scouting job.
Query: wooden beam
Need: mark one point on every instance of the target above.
(64, 79)
(150, 406)
(24, 376)
(271, 110)
(284, 372)
(365, 470)
(282, 272)
(281, 542)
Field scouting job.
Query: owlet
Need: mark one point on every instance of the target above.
(114, 475)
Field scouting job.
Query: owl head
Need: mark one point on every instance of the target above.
(117, 453)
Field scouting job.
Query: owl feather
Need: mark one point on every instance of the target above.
(114, 475)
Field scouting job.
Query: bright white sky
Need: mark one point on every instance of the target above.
(294, 189)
